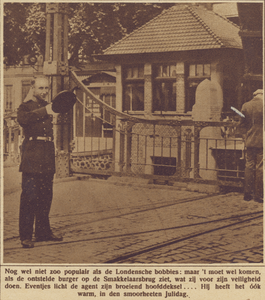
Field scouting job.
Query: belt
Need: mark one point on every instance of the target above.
(41, 138)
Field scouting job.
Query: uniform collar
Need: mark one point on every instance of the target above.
(40, 102)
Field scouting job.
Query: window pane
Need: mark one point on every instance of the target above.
(127, 97)
(190, 97)
(93, 127)
(158, 71)
(173, 71)
(138, 97)
(141, 72)
(165, 71)
(192, 70)
(25, 89)
(93, 124)
(8, 97)
(134, 97)
(128, 73)
(165, 96)
(135, 72)
(207, 70)
(199, 70)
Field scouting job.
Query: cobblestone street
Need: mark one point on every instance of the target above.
(121, 221)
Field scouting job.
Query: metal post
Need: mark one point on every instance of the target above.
(56, 66)
(48, 37)
(197, 130)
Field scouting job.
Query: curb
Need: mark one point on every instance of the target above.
(149, 183)
(55, 181)
(137, 182)
(71, 178)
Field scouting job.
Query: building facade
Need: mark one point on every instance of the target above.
(17, 82)
(158, 69)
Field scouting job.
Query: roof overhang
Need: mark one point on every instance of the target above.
(154, 57)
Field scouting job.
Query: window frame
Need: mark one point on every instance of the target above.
(169, 77)
(194, 80)
(25, 88)
(8, 98)
(132, 82)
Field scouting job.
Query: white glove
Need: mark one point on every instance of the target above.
(50, 111)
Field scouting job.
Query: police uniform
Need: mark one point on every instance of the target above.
(38, 168)
(252, 124)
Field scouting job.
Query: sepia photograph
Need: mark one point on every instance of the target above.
(132, 136)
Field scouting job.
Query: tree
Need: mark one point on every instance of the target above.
(15, 47)
(135, 15)
(35, 27)
(93, 27)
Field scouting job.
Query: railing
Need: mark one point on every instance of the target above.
(169, 150)
(184, 151)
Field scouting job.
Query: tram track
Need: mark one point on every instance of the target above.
(147, 208)
(260, 213)
(151, 248)
(235, 219)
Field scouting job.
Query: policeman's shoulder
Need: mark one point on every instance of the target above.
(27, 102)
(25, 105)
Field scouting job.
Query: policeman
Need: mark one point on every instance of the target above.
(252, 124)
(37, 165)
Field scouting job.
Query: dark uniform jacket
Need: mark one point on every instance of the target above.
(37, 156)
(253, 122)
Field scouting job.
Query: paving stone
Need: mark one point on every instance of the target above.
(104, 220)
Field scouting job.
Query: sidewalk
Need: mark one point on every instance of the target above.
(127, 220)
(13, 179)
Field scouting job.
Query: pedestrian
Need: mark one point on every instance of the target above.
(252, 124)
(37, 165)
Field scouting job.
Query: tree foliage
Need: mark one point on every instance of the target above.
(15, 17)
(35, 27)
(93, 27)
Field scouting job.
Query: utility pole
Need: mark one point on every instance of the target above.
(56, 67)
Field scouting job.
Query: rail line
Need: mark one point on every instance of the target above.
(148, 207)
(121, 258)
(240, 218)
(208, 257)
(169, 203)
